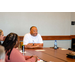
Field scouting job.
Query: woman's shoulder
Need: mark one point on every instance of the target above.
(16, 56)
(13, 53)
(15, 50)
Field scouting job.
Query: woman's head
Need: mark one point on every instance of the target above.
(1, 35)
(10, 42)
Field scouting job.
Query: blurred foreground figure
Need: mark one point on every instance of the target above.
(2, 54)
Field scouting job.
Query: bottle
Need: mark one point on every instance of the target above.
(23, 48)
(55, 44)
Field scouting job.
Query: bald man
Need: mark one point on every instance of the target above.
(33, 39)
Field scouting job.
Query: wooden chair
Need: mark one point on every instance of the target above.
(21, 43)
(72, 45)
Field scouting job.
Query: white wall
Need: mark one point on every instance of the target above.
(48, 23)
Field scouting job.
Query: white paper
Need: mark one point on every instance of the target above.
(40, 50)
(63, 49)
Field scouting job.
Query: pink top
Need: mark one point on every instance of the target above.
(17, 56)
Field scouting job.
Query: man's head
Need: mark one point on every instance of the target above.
(2, 54)
(33, 31)
(1, 35)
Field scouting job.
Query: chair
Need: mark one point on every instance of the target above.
(21, 43)
(72, 45)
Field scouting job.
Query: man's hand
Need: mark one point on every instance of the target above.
(36, 45)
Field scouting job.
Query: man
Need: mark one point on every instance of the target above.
(33, 39)
(2, 54)
(1, 36)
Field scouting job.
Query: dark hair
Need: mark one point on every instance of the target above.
(9, 43)
(32, 27)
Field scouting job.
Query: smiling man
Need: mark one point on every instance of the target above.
(33, 39)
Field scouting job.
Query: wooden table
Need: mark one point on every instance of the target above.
(51, 54)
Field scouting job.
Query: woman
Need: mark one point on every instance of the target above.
(1, 36)
(12, 53)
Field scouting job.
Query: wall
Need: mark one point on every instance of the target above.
(48, 23)
(53, 23)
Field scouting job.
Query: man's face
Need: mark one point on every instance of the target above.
(1, 36)
(34, 31)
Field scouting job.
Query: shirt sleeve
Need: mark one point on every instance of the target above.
(22, 58)
(28, 59)
(40, 38)
(25, 40)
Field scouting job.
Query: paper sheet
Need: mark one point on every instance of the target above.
(40, 50)
(63, 49)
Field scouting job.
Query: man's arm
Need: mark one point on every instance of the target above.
(35, 45)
